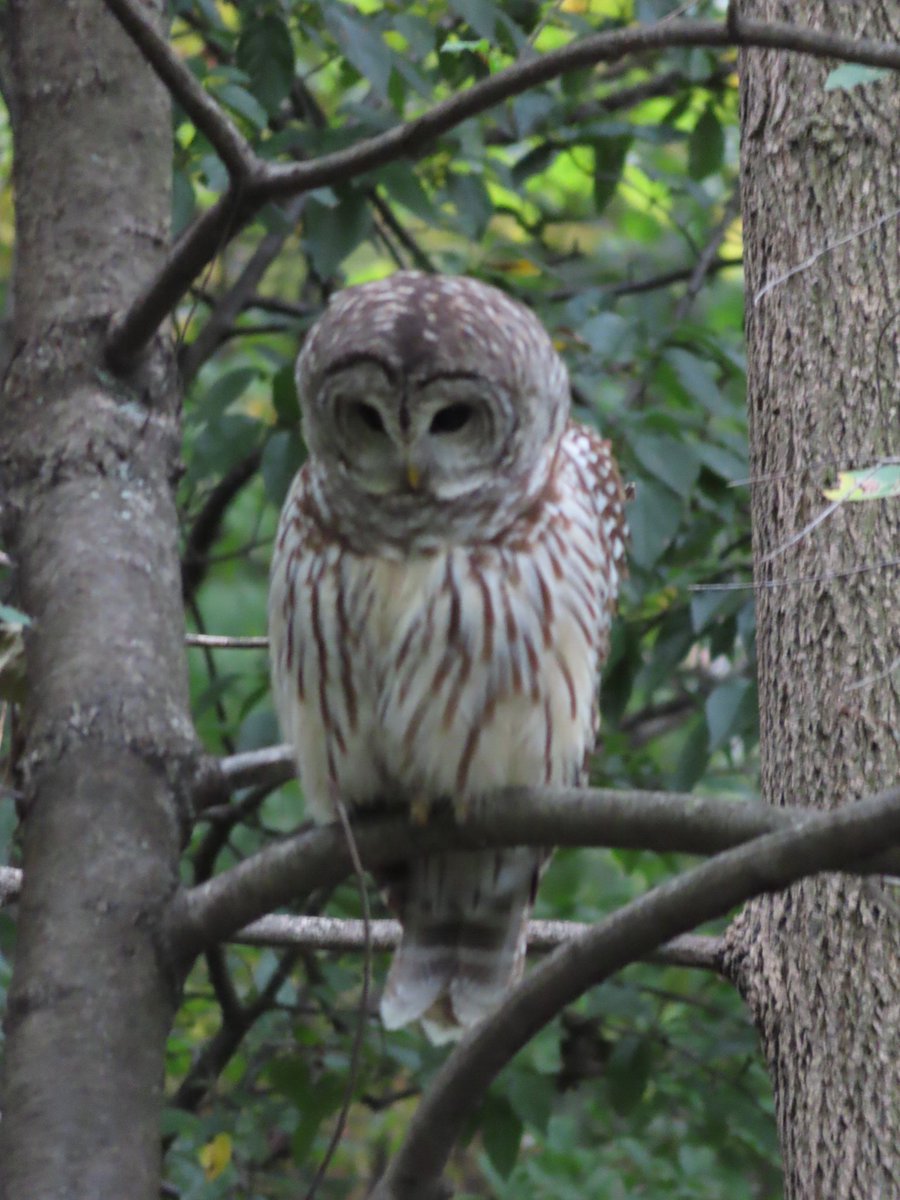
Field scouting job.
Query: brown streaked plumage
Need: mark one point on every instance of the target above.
(445, 573)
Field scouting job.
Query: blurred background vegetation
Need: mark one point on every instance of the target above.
(607, 201)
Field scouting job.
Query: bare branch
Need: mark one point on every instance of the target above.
(272, 765)
(226, 139)
(215, 779)
(205, 528)
(824, 842)
(221, 641)
(257, 182)
(230, 305)
(348, 934)
(335, 933)
(706, 260)
(220, 1049)
(318, 857)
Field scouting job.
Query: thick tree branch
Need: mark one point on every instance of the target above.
(333, 933)
(256, 182)
(823, 842)
(319, 857)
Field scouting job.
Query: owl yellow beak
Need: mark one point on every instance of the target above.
(413, 476)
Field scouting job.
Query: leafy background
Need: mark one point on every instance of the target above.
(606, 201)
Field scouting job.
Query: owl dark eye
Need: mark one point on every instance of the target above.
(370, 416)
(451, 418)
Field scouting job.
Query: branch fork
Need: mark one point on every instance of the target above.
(255, 181)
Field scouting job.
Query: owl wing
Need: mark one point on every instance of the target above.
(318, 653)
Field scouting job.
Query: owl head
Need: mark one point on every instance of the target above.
(429, 402)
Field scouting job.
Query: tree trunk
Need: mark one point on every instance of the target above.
(87, 466)
(820, 965)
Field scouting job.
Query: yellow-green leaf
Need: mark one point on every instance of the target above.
(871, 483)
(216, 1155)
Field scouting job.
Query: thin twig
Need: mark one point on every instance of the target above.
(219, 641)
(229, 306)
(206, 526)
(273, 764)
(706, 259)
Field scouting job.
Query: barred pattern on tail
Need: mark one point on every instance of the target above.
(459, 661)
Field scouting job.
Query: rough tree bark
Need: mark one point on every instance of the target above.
(819, 965)
(87, 466)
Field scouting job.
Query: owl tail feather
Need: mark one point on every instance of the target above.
(464, 917)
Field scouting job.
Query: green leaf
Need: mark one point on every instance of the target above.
(222, 443)
(724, 463)
(610, 154)
(607, 334)
(239, 100)
(282, 458)
(331, 233)
(628, 1072)
(501, 1133)
(183, 202)
(402, 184)
(531, 1096)
(708, 607)
(226, 389)
(851, 75)
(674, 641)
(706, 147)
(266, 54)
(534, 162)
(697, 377)
(361, 45)
(724, 711)
(669, 460)
(653, 520)
(693, 758)
(319, 1102)
(258, 730)
(472, 203)
(481, 15)
(12, 616)
(284, 397)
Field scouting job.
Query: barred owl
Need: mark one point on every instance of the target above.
(446, 567)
